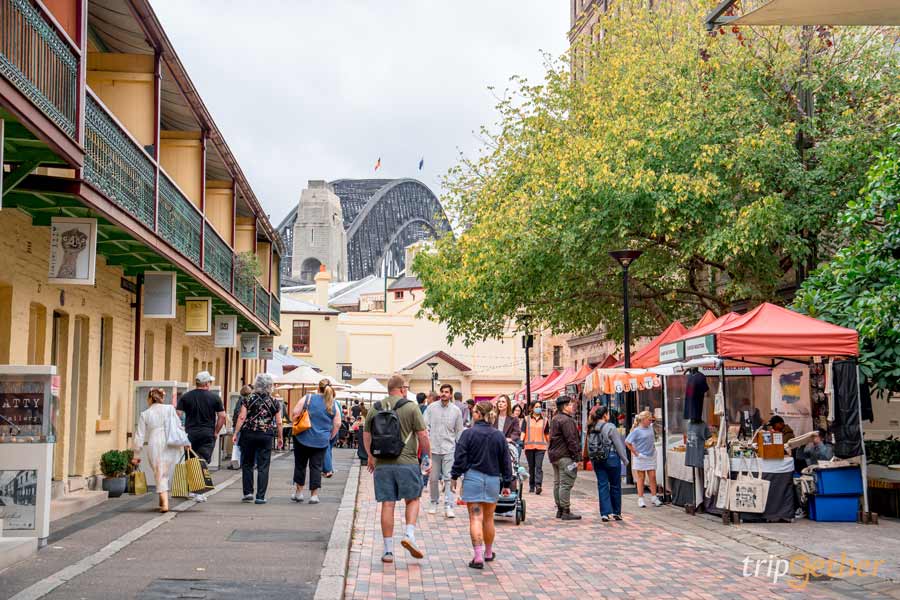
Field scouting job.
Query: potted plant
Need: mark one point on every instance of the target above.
(114, 465)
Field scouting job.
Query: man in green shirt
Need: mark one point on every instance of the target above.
(399, 477)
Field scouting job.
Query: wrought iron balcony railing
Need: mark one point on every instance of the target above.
(179, 221)
(39, 62)
(275, 311)
(262, 303)
(244, 286)
(218, 259)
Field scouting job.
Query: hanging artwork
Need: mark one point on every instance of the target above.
(18, 499)
(73, 250)
(225, 328)
(198, 316)
(266, 347)
(250, 345)
(159, 295)
(790, 397)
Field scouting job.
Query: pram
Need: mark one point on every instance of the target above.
(514, 503)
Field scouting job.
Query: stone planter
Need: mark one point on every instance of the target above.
(115, 486)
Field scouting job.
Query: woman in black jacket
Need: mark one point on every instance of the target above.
(482, 455)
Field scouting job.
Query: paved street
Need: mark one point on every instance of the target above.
(653, 553)
(220, 549)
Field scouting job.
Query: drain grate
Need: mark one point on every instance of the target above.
(278, 536)
(166, 589)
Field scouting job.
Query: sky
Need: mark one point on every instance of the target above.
(314, 89)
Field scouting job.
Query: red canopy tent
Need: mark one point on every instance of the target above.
(707, 318)
(560, 385)
(648, 356)
(608, 362)
(540, 379)
(710, 327)
(553, 377)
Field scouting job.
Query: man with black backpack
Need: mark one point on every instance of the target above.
(394, 431)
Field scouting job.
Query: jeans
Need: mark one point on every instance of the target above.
(563, 482)
(609, 483)
(314, 457)
(256, 451)
(535, 460)
(328, 467)
(440, 469)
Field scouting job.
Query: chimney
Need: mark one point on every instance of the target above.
(322, 279)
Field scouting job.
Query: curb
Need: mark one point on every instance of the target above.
(333, 577)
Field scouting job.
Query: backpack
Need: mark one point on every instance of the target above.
(599, 444)
(385, 430)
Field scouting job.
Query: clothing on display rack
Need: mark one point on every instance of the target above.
(695, 390)
(697, 433)
(846, 426)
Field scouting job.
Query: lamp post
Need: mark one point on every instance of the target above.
(433, 366)
(527, 342)
(625, 258)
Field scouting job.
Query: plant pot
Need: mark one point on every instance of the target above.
(115, 486)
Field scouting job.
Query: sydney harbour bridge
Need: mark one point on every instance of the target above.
(381, 217)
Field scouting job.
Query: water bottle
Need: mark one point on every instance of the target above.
(426, 464)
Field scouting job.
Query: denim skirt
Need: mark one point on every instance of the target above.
(478, 487)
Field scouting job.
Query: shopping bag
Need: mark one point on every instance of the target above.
(198, 478)
(180, 487)
(301, 421)
(723, 494)
(176, 437)
(748, 493)
(138, 482)
(236, 454)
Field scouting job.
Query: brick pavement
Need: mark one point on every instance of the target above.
(641, 556)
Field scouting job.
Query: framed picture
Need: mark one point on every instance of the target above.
(250, 345)
(266, 347)
(198, 316)
(18, 499)
(159, 295)
(225, 329)
(73, 250)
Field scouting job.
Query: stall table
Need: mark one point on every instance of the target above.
(780, 505)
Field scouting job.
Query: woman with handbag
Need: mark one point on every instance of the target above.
(160, 427)
(316, 421)
(606, 452)
(258, 423)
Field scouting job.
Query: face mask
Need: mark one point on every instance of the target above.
(537, 410)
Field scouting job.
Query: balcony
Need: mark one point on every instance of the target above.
(218, 259)
(262, 303)
(275, 311)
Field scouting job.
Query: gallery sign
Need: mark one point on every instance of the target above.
(225, 331)
(266, 347)
(250, 345)
(159, 295)
(73, 250)
(198, 316)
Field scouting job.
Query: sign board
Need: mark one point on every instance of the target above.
(671, 351)
(198, 316)
(225, 329)
(571, 390)
(73, 250)
(346, 372)
(266, 347)
(700, 346)
(159, 295)
(128, 285)
(250, 345)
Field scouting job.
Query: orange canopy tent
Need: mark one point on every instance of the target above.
(708, 328)
(537, 381)
(648, 356)
(707, 318)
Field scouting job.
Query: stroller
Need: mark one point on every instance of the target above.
(514, 503)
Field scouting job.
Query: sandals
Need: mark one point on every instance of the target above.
(328, 475)
(476, 565)
(493, 556)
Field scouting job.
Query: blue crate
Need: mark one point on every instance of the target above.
(844, 480)
(833, 508)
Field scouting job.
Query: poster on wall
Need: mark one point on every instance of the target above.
(225, 328)
(198, 316)
(250, 345)
(73, 250)
(159, 295)
(790, 397)
(266, 346)
(18, 499)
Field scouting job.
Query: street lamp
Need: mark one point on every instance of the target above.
(625, 258)
(527, 342)
(433, 366)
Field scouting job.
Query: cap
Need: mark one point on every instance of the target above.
(204, 377)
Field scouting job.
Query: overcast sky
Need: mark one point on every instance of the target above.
(309, 89)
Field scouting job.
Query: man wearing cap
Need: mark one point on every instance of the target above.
(204, 417)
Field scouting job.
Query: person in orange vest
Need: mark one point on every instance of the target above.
(536, 436)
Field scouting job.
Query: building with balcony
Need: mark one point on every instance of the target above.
(100, 121)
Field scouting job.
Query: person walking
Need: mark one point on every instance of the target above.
(564, 450)
(463, 407)
(642, 444)
(606, 452)
(152, 428)
(421, 398)
(258, 424)
(482, 455)
(310, 445)
(445, 424)
(506, 422)
(235, 462)
(328, 462)
(394, 432)
(204, 418)
(536, 436)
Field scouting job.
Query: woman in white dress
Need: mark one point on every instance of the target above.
(152, 429)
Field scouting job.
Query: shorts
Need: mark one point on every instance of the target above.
(478, 487)
(397, 482)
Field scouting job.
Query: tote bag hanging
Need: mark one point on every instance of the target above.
(748, 493)
(179, 481)
(302, 421)
(198, 477)
(138, 483)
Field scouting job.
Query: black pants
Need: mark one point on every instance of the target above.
(315, 458)
(256, 451)
(535, 467)
(202, 442)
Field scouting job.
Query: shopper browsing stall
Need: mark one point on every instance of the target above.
(642, 444)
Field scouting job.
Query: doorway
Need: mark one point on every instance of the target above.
(80, 336)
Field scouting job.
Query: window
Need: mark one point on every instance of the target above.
(300, 341)
(312, 237)
(398, 295)
(106, 330)
(557, 357)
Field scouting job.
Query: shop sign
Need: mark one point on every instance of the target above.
(198, 316)
(346, 372)
(700, 346)
(159, 295)
(266, 347)
(671, 351)
(250, 345)
(225, 331)
(73, 250)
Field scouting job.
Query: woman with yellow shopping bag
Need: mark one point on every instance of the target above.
(160, 427)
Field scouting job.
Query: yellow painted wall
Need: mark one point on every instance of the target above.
(246, 234)
(323, 340)
(181, 157)
(220, 209)
(124, 83)
(263, 249)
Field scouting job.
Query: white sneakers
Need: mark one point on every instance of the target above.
(450, 514)
(298, 497)
(641, 503)
(432, 509)
(197, 497)
(656, 501)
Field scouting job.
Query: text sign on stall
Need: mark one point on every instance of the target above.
(700, 346)
(672, 351)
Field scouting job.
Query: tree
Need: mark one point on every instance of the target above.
(860, 286)
(690, 146)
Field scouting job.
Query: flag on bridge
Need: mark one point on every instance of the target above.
(378, 163)
(421, 163)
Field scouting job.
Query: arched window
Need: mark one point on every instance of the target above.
(309, 268)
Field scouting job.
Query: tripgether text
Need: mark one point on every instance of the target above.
(802, 567)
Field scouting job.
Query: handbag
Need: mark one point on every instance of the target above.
(302, 421)
(179, 487)
(748, 493)
(138, 483)
(176, 436)
(198, 478)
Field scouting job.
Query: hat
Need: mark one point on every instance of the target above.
(562, 401)
(204, 377)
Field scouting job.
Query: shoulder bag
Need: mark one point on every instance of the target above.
(176, 437)
(302, 422)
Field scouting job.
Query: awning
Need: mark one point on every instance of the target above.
(612, 381)
(537, 381)
(559, 387)
(680, 349)
(553, 376)
(648, 356)
(823, 12)
(707, 318)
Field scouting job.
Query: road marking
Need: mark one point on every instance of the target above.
(332, 578)
(48, 584)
